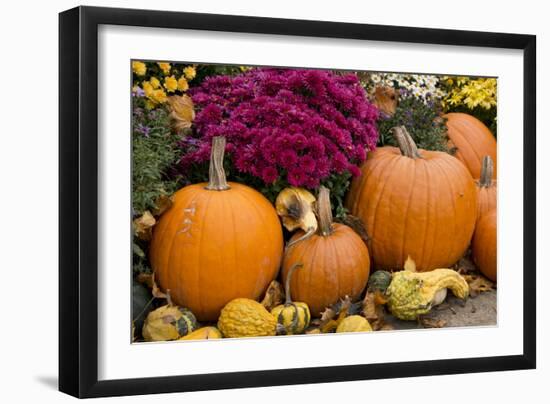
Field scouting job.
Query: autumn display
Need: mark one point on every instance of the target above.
(273, 202)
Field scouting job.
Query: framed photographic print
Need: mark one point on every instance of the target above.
(240, 194)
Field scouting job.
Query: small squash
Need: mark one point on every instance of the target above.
(486, 188)
(203, 333)
(335, 261)
(412, 294)
(168, 323)
(471, 140)
(484, 245)
(246, 318)
(354, 323)
(414, 202)
(292, 317)
(218, 241)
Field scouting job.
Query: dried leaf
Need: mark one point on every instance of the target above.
(465, 266)
(313, 330)
(428, 322)
(410, 265)
(143, 226)
(162, 204)
(385, 98)
(478, 284)
(373, 309)
(274, 295)
(146, 279)
(182, 111)
(332, 316)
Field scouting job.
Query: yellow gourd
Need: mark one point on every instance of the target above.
(246, 318)
(168, 323)
(292, 317)
(354, 323)
(203, 333)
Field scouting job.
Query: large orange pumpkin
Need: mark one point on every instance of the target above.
(219, 241)
(486, 188)
(414, 203)
(484, 245)
(335, 262)
(471, 140)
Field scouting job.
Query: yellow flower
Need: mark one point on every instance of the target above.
(159, 96)
(149, 104)
(182, 84)
(190, 72)
(139, 68)
(171, 84)
(155, 82)
(165, 67)
(147, 89)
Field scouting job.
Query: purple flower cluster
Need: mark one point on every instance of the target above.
(300, 124)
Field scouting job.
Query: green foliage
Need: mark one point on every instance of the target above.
(154, 153)
(422, 121)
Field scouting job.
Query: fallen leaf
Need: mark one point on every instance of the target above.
(143, 226)
(182, 111)
(428, 322)
(478, 284)
(385, 98)
(373, 309)
(146, 279)
(274, 295)
(162, 204)
(410, 265)
(333, 315)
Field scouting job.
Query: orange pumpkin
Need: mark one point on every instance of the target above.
(415, 203)
(484, 245)
(335, 262)
(471, 140)
(486, 188)
(219, 241)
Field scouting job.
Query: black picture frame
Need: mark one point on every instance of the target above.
(78, 200)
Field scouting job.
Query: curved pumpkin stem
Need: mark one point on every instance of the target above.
(324, 212)
(486, 175)
(405, 142)
(306, 235)
(288, 298)
(216, 177)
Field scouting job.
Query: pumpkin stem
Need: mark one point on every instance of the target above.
(324, 211)
(169, 298)
(405, 142)
(486, 176)
(306, 235)
(216, 177)
(288, 298)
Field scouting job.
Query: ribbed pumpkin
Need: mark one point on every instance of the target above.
(486, 188)
(471, 140)
(484, 245)
(217, 242)
(335, 261)
(414, 202)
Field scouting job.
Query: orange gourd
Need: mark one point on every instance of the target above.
(486, 188)
(219, 241)
(335, 262)
(471, 140)
(415, 203)
(484, 245)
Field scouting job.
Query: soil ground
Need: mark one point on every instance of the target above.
(476, 311)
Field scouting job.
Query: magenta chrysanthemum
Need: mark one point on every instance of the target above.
(299, 125)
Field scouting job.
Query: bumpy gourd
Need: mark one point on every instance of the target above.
(203, 333)
(246, 318)
(292, 317)
(412, 294)
(354, 323)
(168, 323)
